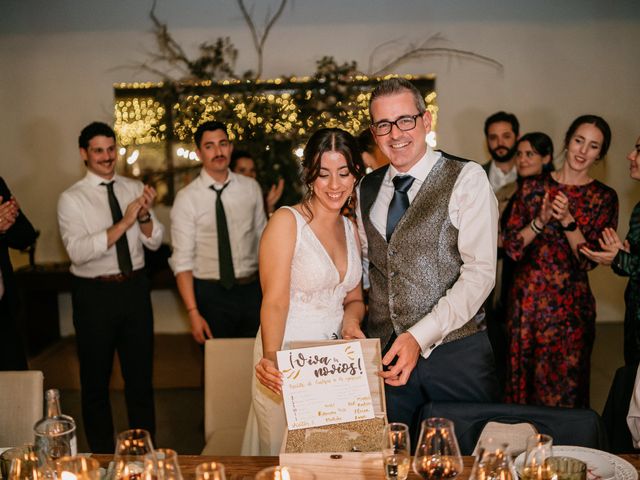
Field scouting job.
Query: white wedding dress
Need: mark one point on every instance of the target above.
(315, 313)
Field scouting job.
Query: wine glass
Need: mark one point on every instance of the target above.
(493, 461)
(131, 448)
(539, 449)
(163, 464)
(437, 454)
(210, 471)
(285, 473)
(78, 468)
(396, 451)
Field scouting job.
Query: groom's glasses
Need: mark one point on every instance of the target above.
(404, 123)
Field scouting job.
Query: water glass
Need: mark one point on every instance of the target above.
(132, 446)
(210, 471)
(26, 467)
(437, 454)
(285, 473)
(11, 454)
(396, 451)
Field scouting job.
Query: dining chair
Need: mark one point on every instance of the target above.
(228, 370)
(21, 400)
(568, 426)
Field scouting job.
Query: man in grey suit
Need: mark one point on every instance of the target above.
(428, 226)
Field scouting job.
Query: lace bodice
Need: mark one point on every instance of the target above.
(317, 294)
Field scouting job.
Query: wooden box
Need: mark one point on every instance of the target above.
(353, 465)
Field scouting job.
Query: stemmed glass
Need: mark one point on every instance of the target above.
(131, 448)
(163, 465)
(210, 471)
(396, 451)
(539, 449)
(437, 454)
(493, 462)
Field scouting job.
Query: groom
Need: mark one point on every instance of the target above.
(428, 226)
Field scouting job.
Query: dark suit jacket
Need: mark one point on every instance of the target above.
(20, 236)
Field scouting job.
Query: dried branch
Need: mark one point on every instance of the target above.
(425, 50)
(260, 39)
(171, 50)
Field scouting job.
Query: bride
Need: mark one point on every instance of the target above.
(310, 272)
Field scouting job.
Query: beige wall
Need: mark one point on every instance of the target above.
(52, 84)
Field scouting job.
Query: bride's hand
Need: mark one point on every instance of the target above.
(351, 329)
(269, 376)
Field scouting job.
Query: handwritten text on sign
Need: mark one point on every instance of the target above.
(325, 385)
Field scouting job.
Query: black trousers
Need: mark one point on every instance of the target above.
(459, 371)
(114, 317)
(12, 354)
(230, 313)
(616, 409)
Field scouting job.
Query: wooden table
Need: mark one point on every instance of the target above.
(245, 468)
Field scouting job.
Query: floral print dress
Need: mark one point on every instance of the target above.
(551, 310)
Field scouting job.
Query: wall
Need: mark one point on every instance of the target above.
(561, 59)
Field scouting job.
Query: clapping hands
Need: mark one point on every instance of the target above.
(146, 200)
(273, 195)
(9, 211)
(610, 244)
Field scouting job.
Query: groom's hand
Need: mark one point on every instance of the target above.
(407, 351)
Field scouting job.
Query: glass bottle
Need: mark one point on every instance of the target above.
(55, 434)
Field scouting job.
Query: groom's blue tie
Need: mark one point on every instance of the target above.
(399, 202)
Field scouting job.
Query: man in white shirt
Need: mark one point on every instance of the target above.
(105, 220)
(501, 131)
(216, 224)
(428, 227)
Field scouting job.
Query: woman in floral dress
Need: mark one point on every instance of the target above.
(551, 310)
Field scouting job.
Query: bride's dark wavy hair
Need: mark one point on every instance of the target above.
(329, 140)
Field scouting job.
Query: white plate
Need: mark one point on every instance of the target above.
(600, 465)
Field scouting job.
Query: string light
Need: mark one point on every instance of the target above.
(140, 119)
(271, 113)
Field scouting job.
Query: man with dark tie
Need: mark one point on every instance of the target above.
(216, 224)
(105, 220)
(428, 227)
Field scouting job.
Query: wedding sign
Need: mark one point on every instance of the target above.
(325, 385)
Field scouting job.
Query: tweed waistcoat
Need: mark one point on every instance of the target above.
(421, 262)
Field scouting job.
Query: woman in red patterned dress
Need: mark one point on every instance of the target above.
(551, 311)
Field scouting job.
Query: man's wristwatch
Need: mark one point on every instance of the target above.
(571, 227)
(145, 219)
